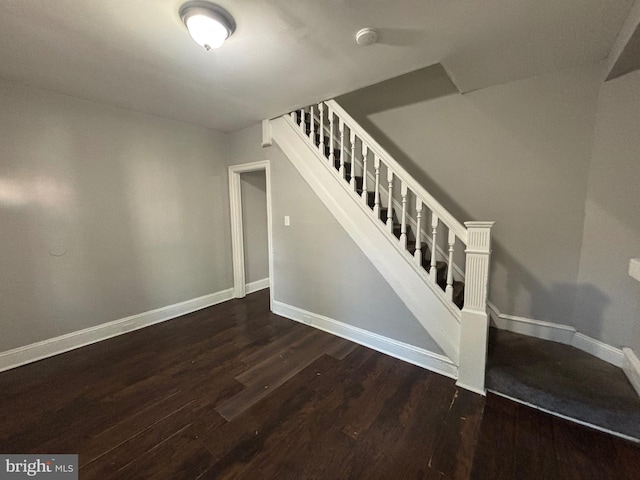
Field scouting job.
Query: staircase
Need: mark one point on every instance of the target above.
(437, 266)
(421, 252)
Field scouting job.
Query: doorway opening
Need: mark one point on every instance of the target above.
(248, 233)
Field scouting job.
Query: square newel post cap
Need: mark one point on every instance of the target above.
(479, 237)
(634, 268)
(267, 139)
(479, 224)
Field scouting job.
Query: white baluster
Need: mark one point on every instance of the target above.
(332, 148)
(376, 199)
(365, 152)
(433, 273)
(302, 122)
(312, 124)
(449, 290)
(390, 203)
(294, 116)
(352, 138)
(417, 255)
(403, 222)
(342, 155)
(321, 129)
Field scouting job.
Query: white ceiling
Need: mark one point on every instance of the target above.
(285, 53)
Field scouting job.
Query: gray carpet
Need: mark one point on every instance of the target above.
(564, 380)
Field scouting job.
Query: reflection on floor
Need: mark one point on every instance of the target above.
(563, 380)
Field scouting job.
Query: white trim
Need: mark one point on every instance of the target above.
(403, 351)
(634, 268)
(598, 349)
(70, 341)
(631, 367)
(425, 234)
(556, 332)
(565, 417)
(327, 186)
(427, 302)
(533, 328)
(400, 172)
(397, 207)
(257, 285)
(479, 391)
(237, 238)
(267, 141)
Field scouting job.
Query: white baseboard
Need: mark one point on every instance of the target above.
(533, 328)
(70, 341)
(256, 286)
(598, 349)
(556, 332)
(631, 366)
(439, 317)
(403, 351)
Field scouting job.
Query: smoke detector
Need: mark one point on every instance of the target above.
(366, 36)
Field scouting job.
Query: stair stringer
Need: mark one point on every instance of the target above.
(439, 320)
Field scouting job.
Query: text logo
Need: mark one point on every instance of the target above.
(49, 467)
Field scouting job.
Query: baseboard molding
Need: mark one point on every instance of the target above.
(256, 286)
(403, 351)
(556, 332)
(631, 367)
(598, 349)
(70, 341)
(533, 328)
(439, 317)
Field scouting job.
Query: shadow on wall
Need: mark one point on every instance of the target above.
(510, 281)
(594, 302)
(419, 86)
(529, 278)
(516, 281)
(514, 288)
(415, 87)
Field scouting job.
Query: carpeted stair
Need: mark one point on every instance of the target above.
(563, 380)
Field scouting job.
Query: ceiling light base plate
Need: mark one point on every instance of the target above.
(366, 36)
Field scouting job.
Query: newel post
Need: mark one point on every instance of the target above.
(474, 322)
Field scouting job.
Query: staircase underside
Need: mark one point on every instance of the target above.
(441, 321)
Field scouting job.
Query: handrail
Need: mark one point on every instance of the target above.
(436, 207)
(435, 264)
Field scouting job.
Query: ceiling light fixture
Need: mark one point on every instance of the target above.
(209, 24)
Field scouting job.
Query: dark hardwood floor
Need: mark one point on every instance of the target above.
(234, 391)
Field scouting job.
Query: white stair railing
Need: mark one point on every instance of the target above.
(335, 133)
(429, 236)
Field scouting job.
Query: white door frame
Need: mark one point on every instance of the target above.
(237, 238)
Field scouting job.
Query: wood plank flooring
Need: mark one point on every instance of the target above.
(186, 399)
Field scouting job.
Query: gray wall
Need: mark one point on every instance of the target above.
(104, 213)
(516, 153)
(317, 267)
(607, 305)
(254, 225)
